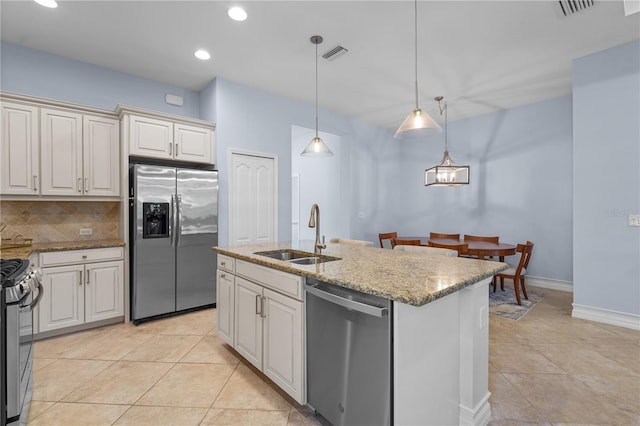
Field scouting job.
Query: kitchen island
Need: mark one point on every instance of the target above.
(439, 320)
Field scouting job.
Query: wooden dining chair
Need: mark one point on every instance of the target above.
(352, 242)
(387, 236)
(493, 240)
(397, 242)
(518, 272)
(445, 236)
(460, 248)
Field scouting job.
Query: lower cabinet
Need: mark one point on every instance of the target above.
(263, 325)
(80, 293)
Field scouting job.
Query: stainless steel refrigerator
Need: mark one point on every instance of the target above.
(174, 225)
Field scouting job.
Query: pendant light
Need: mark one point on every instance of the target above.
(418, 123)
(446, 172)
(316, 148)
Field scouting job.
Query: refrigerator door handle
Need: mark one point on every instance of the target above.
(172, 221)
(178, 217)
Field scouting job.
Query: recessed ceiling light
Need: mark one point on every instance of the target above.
(237, 13)
(202, 54)
(47, 3)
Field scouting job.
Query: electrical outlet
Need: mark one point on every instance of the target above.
(86, 231)
(634, 220)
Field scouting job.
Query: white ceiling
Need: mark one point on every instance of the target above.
(481, 55)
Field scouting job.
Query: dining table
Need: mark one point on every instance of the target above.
(479, 249)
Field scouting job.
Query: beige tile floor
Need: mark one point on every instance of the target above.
(546, 368)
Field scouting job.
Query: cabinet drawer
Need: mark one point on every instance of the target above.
(227, 263)
(282, 282)
(56, 258)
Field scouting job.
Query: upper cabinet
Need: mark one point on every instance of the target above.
(51, 151)
(169, 138)
(20, 150)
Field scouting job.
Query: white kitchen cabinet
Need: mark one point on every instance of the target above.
(268, 323)
(80, 154)
(20, 149)
(225, 295)
(77, 293)
(158, 137)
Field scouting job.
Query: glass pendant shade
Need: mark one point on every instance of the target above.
(446, 173)
(417, 124)
(316, 148)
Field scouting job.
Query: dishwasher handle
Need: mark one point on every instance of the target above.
(364, 308)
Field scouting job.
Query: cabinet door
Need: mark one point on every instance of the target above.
(149, 137)
(103, 290)
(101, 155)
(61, 152)
(283, 343)
(248, 322)
(20, 154)
(192, 143)
(62, 303)
(224, 306)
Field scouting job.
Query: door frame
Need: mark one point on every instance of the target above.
(274, 157)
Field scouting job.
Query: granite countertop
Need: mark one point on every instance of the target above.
(406, 277)
(25, 252)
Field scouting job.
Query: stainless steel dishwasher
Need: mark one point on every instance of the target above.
(349, 342)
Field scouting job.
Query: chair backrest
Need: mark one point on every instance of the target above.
(397, 242)
(494, 240)
(387, 236)
(352, 242)
(525, 257)
(460, 248)
(427, 250)
(447, 236)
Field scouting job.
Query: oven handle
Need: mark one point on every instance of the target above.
(35, 301)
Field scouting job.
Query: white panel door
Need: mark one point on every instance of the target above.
(283, 343)
(193, 143)
(103, 289)
(62, 303)
(149, 137)
(101, 165)
(20, 153)
(248, 321)
(225, 292)
(61, 152)
(252, 199)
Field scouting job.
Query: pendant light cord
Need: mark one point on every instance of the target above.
(316, 90)
(446, 127)
(416, 47)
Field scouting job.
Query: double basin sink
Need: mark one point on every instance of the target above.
(298, 257)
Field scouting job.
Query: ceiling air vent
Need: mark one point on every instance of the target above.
(571, 7)
(335, 53)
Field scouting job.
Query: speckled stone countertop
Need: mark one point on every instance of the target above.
(25, 252)
(407, 277)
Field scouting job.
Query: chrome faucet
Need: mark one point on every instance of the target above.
(314, 222)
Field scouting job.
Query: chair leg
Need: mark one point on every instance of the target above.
(502, 283)
(516, 287)
(494, 281)
(524, 289)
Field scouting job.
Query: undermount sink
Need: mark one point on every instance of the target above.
(297, 256)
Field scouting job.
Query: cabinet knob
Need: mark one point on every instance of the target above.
(222, 264)
(84, 256)
(223, 275)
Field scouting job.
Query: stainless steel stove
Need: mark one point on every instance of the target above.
(21, 292)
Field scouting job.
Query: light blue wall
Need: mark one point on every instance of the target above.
(520, 183)
(31, 72)
(251, 120)
(606, 119)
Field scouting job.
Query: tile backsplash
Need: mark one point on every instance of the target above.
(60, 221)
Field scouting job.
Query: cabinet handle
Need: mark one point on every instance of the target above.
(88, 275)
(84, 256)
(35, 182)
(86, 184)
(80, 282)
(262, 313)
(170, 148)
(79, 184)
(258, 305)
(223, 275)
(175, 149)
(222, 264)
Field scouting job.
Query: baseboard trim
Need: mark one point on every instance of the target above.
(549, 283)
(606, 316)
(480, 415)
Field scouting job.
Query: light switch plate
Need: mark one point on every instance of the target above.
(86, 231)
(634, 220)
